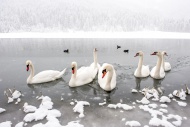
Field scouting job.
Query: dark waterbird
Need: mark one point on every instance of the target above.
(66, 51)
(118, 46)
(126, 51)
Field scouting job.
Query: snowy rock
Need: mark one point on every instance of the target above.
(20, 124)
(134, 91)
(153, 105)
(180, 103)
(6, 124)
(79, 107)
(119, 105)
(29, 108)
(72, 103)
(16, 94)
(102, 103)
(2, 110)
(133, 123)
(163, 106)
(163, 110)
(165, 99)
(144, 101)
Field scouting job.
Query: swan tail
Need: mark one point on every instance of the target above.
(62, 72)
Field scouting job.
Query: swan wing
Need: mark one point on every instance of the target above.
(167, 66)
(145, 71)
(45, 76)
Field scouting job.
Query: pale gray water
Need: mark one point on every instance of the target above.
(48, 54)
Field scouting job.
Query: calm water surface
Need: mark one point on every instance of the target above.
(48, 54)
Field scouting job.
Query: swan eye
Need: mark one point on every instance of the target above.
(103, 71)
(72, 68)
(155, 52)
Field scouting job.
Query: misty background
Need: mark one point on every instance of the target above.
(94, 15)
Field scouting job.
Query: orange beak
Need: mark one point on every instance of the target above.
(103, 74)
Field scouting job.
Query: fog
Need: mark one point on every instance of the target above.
(94, 15)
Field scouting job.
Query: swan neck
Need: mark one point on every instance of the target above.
(95, 59)
(158, 65)
(108, 83)
(139, 68)
(31, 73)
(163, 61)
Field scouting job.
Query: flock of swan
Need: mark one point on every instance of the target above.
(106, 72)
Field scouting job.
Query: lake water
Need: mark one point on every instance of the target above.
(48, 54)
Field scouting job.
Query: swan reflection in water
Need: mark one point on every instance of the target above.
(45, 86)
(157, 85)
(92, 91)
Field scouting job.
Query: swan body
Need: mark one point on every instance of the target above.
(142, 70)
(157, 72)
(107, 81)
(84, 75)
(42, 77)
(81, 76)
(165, 65)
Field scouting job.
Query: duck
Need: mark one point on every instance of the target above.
(165, 65)
(142, 70)
(118, 46)
(126, 51)
(66, 51)
(107, 77)
(43, 76)
(158, 72)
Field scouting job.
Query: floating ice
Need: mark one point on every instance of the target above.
(79, 107)
(6, 124)
(119, 105)
(29, 108)
(72, 103)
(123, 119)
(102, 103)
(185, 118)
(151, 111)
(133, 123)
(153, 105)
(158, 122)
(134, 91)
(181, 94)
(16, 94)
(170, 96)
(20, 124)
(2, 110)
(180, 103)
(165, 99)
(10, 100)
(163, 106)
(144, 101)
(163, 110)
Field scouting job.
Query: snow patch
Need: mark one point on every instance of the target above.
(133, 123)
(79, 107)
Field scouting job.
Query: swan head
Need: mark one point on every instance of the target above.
(95, 50)
(164, 53)
(158, 53)
(139, 53)
(73, 66)
(105, 69)
(28, 63)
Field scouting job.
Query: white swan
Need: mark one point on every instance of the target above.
(141, 71)
(158, 72)
(95, 65)
(165, 65)
(81, 76)
(107, 77)
(44, 76)
(84, 75)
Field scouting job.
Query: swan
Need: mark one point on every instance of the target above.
(165, 65)
(41, 77)
(95, 65)
(141, 71)
(84, 75)
(157, 72)
(107, 77)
